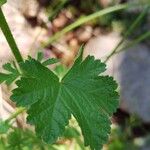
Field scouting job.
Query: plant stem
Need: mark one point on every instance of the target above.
(129, 31)
(15, 114)
(144, 36)
(84, 20)
(9, 37)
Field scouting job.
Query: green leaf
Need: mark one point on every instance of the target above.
(11, 76)
(71, 132)
(83, 93)
(2, 2)
(60, 70)
(9, 68)
(50, 61)
(3, 77)
(80, 54)
(15, 138)
(40, 56)
(4, 127)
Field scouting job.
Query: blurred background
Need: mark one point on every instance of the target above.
(115, 31)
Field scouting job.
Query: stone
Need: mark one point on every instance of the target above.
(134, 78)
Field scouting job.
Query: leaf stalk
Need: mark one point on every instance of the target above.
(9, 37)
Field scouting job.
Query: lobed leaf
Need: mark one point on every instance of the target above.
(82, 92)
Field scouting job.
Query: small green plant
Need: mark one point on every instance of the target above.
(50, 101)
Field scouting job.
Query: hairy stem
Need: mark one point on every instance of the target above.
(9, 37)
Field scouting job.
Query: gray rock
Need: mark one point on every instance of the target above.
(134, 78)
(130, 68)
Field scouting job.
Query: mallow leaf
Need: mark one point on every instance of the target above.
(82, 92)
